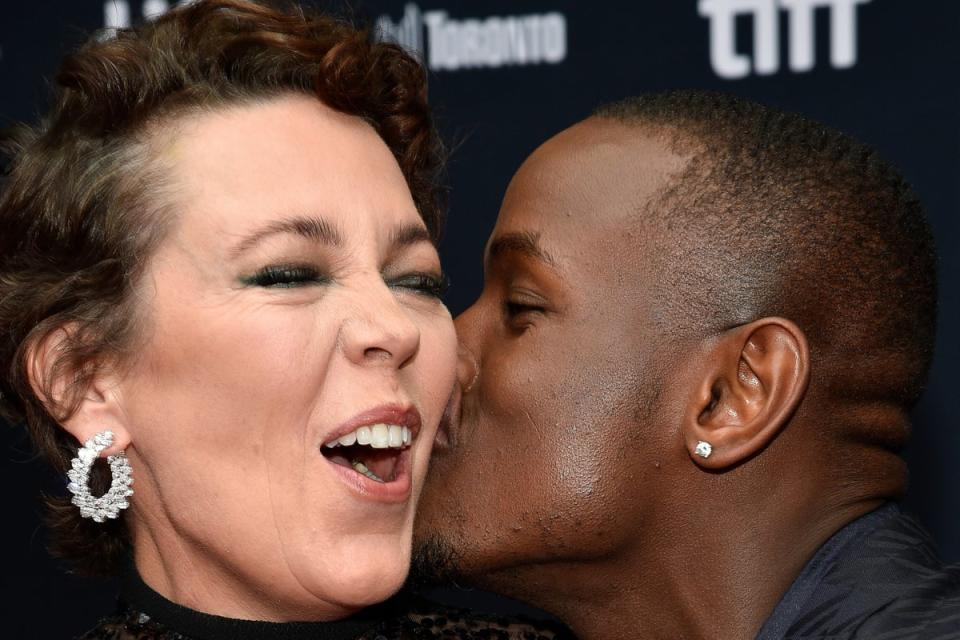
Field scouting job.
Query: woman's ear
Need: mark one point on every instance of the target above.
(756, 375)
(81, 397)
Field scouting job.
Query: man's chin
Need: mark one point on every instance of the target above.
(435, 563)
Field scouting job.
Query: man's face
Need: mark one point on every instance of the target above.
(555, 454)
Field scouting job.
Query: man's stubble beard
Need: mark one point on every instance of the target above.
(435, 563)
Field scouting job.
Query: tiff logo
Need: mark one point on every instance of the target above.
(729, 63)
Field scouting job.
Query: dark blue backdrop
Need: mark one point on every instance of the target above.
(507, 75)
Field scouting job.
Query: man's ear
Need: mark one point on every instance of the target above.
(82, 397)
(756, 375)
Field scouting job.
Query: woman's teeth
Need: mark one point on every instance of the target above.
(378, 436)
(359, 467)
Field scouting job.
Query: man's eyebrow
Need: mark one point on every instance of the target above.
(310, 227)
(525, 243)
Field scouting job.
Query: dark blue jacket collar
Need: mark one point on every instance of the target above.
(878, 577)
(797, 598)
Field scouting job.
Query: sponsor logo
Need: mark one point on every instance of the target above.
(117, 14)
(728, 63)
(444, 43)
(448, 44)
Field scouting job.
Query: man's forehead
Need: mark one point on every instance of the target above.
(589, 186)
(597, 173)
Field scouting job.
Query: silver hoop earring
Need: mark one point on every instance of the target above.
(114, 500)
(703, 449)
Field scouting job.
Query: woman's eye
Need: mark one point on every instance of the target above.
(284, 277)
(434, 286)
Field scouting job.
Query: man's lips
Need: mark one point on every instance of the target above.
(450, 422)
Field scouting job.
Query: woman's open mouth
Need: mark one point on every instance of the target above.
(374, 451)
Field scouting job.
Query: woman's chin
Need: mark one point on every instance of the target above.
(357, 591)
(375, 590)
(365, 577)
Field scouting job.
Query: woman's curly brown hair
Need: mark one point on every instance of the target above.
(82, 203)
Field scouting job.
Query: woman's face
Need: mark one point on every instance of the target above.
(294, 302)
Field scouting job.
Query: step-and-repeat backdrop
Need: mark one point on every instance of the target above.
(505, 77)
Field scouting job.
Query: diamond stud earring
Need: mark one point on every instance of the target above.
(703, 449)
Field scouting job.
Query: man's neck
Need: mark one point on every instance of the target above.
(722, 582)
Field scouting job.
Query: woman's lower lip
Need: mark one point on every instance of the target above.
(395, 491)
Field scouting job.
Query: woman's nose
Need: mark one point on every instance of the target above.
(381, 332)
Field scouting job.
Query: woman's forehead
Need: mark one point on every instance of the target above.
(237, 171)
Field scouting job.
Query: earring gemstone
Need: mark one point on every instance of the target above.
(703, 449)
(110, 504)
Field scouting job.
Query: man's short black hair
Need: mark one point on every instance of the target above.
(778, 215)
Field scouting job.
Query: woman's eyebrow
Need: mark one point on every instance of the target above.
(409, 234)
(310, 227)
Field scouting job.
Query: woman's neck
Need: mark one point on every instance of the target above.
(153, 609)
(194, 578)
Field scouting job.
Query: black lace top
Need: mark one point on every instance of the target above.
(146, 615)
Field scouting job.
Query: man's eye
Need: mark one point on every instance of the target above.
(521, 315)
(427, 284)
(285, 277)
(514, 309)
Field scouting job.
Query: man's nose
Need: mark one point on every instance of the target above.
(468, 370)
(381, 332)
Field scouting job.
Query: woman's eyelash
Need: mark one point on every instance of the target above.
(284, 277)
(423, 283)
(290, 276)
